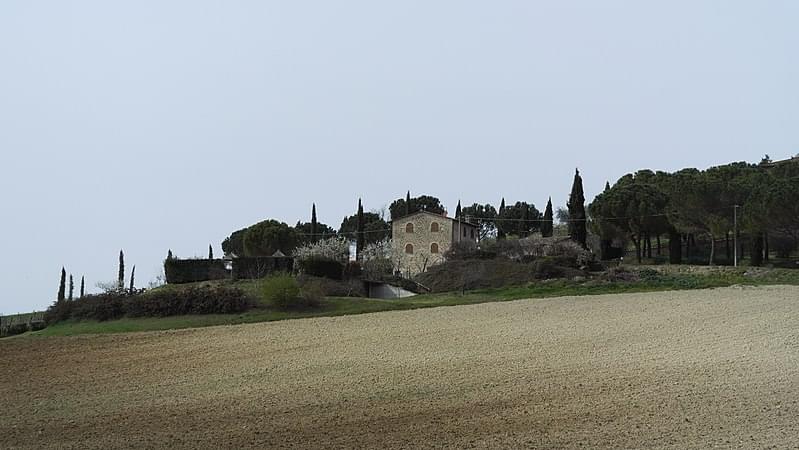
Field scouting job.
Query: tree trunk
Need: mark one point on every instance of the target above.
(757, 250)
(765, 246)
(727, 245)
(712, 250)
(658, 238)
(741, 247)
(637, 242)
(648, 245)
(675, 247)
(688, 248)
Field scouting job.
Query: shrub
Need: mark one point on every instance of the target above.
(281, 290)
(352, 270)
(547, 268)
(615, 274)
(13, 329)
(647, 274)
(465, 250)
(204, 299)
(311, 295)
(334, 288)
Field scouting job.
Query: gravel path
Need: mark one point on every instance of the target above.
(692, 369)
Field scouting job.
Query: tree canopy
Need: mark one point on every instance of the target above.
(702, 203)
(262, 239)
(409, 205)
(375, 229)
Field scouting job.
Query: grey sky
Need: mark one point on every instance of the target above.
(154, 125)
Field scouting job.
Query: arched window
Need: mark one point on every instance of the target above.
(409, 249)
(433, 248)
(434, 227)
(409, 228)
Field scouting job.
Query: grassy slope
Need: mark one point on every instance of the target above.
(669, 279)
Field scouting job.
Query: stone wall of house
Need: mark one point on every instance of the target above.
(421, 240)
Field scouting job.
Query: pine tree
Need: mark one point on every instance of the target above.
(210, 251)
(71, 288)
(314, 224)
(524, 226)
(121, 276)
(500, 216)
(132, 277)
(62, 287)
(458, 210)
(82, 286)
(359, 242)
(577, 218)
(546, 226)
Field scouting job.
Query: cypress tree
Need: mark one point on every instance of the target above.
(607, 186)
(359, 242)
(500, 216)
(407, 203)
(313, 224)
(169, 254)
(82, 286)
(132, 277)
(546, 226)
(458, 210)
(62, 287)
(210, 252)
(71, 288)
(121, 276)
(577, 218)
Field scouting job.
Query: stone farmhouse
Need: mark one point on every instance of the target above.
(420, 239)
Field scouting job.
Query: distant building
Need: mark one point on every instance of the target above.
(420, 239)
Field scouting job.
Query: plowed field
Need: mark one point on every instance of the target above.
(691, 369)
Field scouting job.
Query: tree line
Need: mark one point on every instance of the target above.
(519, 219)
(761, 201)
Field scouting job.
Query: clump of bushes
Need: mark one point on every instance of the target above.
(567, 252)
(205, 299)
(284, 292)
(322, 267)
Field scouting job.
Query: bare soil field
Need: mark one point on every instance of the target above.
(689, 369)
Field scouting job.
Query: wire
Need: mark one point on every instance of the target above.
(482, 220)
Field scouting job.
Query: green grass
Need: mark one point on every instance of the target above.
(652, 280)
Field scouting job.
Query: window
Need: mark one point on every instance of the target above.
(472, 233)
(433, 248)
(434, 227)
(464, 232)
(409, 249)
(409, 228)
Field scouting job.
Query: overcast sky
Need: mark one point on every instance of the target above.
(152, 125)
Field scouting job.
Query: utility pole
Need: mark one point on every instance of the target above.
(735, 224)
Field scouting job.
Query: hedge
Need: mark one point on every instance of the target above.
(193, 270)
